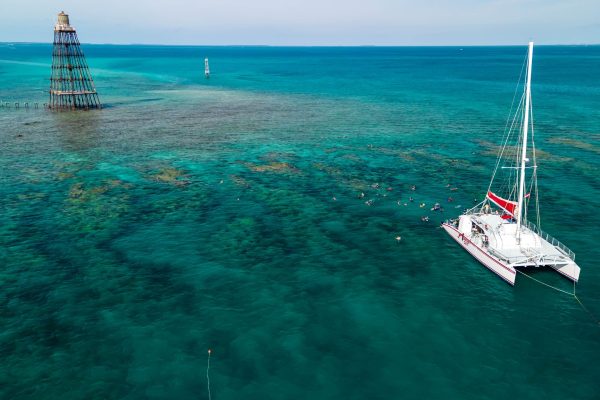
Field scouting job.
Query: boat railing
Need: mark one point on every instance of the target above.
(554, 242)
(474, 210)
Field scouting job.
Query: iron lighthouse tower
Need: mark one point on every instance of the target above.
(71, 84)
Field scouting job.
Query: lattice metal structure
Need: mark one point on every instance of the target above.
(71, 84)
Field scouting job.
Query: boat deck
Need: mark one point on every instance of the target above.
(493, 241)
(502, 242)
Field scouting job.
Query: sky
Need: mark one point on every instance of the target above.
(308, 22)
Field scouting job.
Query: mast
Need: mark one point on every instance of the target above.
(524, 152)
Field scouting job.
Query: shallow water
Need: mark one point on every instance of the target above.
(227, 214)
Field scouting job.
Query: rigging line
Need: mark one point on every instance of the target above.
(506, 139)
(515, 175)
(507, 133)
(528, 199)
(516, 123)
(537, 202)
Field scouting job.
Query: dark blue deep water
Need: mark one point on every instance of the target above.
(227, 213)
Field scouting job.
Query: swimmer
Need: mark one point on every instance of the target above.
(398, 239)
(333, 198)
(422, 205)
(411, 199)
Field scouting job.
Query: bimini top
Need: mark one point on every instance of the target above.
(63, 23)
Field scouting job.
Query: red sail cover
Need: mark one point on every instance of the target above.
(507, 205)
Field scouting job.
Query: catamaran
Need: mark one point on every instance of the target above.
(497, 231)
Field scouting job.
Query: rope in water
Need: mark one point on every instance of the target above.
(544, 283)
(207, 377)
(584, 307)
(596, 320)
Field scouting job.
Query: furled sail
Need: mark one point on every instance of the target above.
(507, 205)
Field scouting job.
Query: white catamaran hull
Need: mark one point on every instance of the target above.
(503, 239)
(501, 269)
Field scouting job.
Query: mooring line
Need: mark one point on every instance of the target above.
(594, 318)
(208, 377)
(544, 283)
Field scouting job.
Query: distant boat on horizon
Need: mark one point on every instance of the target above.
(503, 239)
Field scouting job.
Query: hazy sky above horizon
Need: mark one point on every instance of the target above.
(309, 22)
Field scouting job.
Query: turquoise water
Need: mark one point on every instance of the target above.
(192, 214)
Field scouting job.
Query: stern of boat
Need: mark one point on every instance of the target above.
(570, 270)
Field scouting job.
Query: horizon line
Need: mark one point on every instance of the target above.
(313, 45)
